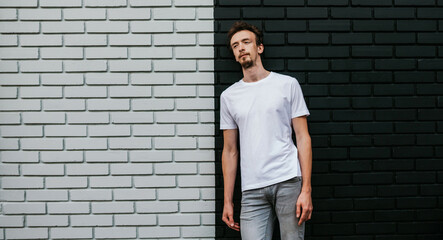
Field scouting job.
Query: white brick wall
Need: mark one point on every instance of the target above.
(106, 119)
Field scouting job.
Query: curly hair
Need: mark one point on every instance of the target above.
(240, 26)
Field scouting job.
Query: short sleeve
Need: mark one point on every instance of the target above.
(298, 104)
(226, 119)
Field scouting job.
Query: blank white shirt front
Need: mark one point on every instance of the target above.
(263, 112)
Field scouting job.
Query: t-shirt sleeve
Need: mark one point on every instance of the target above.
(226, 119)
(298, 104)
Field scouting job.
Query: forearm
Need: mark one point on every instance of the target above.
(229, 165)
(305, 158)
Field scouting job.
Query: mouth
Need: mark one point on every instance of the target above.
(246, 54)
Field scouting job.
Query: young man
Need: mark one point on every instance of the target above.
(276, 176)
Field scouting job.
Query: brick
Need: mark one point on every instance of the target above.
(353, 191)
(353, 115)
(108, 156)
(152, 104)
(41, 144)
(132, 117)
(201, 231)
(389, 115)
(372, 102)
(135, 220)
(44, 118)
(396, 140)
(11, 221)
(157, 207)
(130, 40)
(62, 27)
(329, 103)
(397, 191)
(204, 13)
(129, 91)
(373, 204)
(373, 178)
(385, 165)
(41, 92)
(9, 170)
(192, 130)
(151, 53)
(152, 79)
(85, 39)
(394, 38)
(160, 232)
(9, 118)
(375, 127)
(345, 64)
(416, 202)
(112, 207)
(88, 117)
(189, 3)
(154, 181)
(175, 65)
(204, 39)
(130, 143)
(131, 169)
(194, 26)
(150, 156)
(110, 182)
(8, 67)
(205, 91)
(197, 206)
(61, 53)
(91, 220)
(370, 153)
(66, 182)
(415, 177)
(175, 91)
(63, 233)
(178, 219)
(173, 13)
(24, 208)
(106, 78)
(62, 79)
(85, 144)
(128, 14)
(104, 3)
(56, 3)
(109, 131)
(84, 14)
(178, 194)
(64, 105)
(332, 179)
(43, 221)
(206, 142)
(9, 144)
(195, 104)
(151, 26)
(18, 157)
(134, 194)
(194, 155)
(42, 170)
(26, 233)
(175, 143)
(134, 66)
(371, 51)
(175, 168)
(85, 66)
(174, 39)
(407, 152)
(19, 53)
(194, 52)
(90, 195)
(106, 53)
(12, 195)
(40, 14)
(22, 27)
(8, 40)
(85, 92)
(41, 66)
(47, 195)
(21, 131)
(196, 181)
(150, 3)
(108, 104)
(394, 215)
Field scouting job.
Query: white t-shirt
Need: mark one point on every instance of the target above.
(263, 112)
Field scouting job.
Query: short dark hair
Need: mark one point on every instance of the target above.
(240, 26)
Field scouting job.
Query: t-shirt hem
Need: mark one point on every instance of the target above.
(299, 114)
(228, 127)
(268, 183)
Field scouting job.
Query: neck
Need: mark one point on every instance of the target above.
(255, 72)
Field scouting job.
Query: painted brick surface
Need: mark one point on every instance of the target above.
(105, 107)
(371, 73)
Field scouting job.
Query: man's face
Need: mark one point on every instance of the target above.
(245, 49)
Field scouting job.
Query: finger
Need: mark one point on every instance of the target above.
(298, 210)
(236, 227)
(230, 221)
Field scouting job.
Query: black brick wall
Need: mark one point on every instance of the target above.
(372, 75)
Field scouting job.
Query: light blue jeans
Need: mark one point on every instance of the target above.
(260, 207)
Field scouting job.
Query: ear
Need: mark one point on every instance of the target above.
(260, 48)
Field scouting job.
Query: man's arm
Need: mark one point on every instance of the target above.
(229, 165)
(303, 139)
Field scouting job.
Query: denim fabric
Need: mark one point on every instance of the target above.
(260, 207)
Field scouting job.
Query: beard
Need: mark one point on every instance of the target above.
(247, 64)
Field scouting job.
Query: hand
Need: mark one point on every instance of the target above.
(304, 204)
(228, 216)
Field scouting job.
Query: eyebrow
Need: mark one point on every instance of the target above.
(240, 41)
